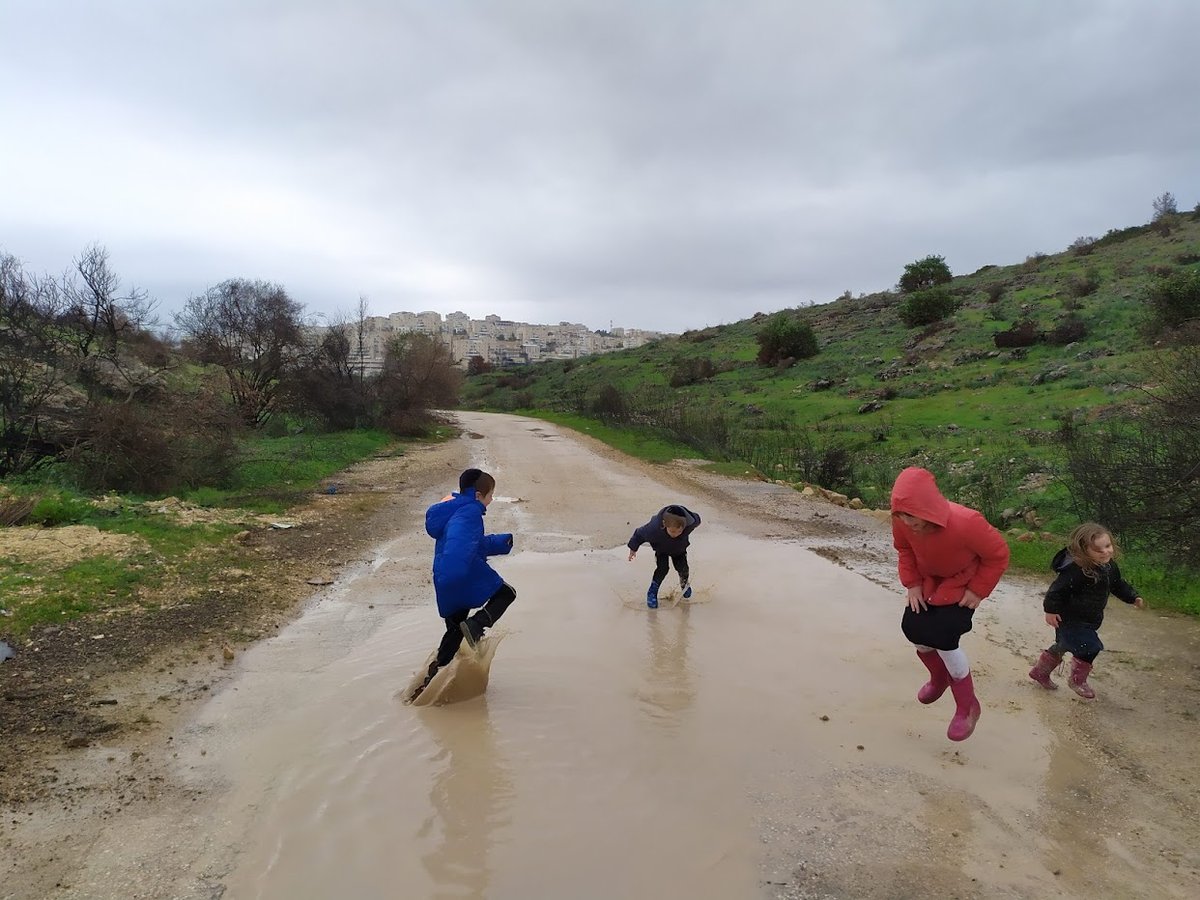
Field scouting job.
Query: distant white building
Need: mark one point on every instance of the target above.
(501, 342)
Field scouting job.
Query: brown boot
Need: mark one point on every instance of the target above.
(1046, 664)
(1078, 679)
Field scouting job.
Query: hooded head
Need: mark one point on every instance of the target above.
(916, 494)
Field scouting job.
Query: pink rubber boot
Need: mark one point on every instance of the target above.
(939, 678)
(967, 710)
(1046, 664)
(1077, 681)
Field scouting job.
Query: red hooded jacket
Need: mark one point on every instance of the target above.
(963, 552)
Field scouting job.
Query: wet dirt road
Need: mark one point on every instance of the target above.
(762, 740)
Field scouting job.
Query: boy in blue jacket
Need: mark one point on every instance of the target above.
(462, 578)
(667, 534)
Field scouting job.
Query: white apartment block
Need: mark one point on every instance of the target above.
(498, 341)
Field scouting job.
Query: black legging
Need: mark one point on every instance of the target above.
(486, 616)
(660, 565)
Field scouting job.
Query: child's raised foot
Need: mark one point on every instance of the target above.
(473, 632)
(687, 590)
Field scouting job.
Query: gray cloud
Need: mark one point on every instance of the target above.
(658, 164)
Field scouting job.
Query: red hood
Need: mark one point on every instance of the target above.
(916, 493)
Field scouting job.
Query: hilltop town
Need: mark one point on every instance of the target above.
(497, 341)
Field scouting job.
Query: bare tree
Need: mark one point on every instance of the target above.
(252, 330)
(99, 314)
(31, 363)
(418, 376)
(1164, 205)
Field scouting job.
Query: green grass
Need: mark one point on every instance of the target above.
(634, 443)
(275, 472)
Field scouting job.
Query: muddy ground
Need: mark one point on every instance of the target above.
(71, 686)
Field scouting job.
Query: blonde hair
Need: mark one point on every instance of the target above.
(1080, 542)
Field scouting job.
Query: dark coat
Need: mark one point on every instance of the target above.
(1078, 597)
(462, 578)
(656, 536)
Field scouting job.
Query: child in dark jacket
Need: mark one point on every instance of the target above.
(462, 578)
(667, 534)
(1086, 573)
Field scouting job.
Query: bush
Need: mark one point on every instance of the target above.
(1022, 334)
(927, 307)
(1083, 246)
(995, 291)
(692, 371)
(1138, 472)
(153, 448)
(785, 336)
(1069, 329)
(1175, 298)
(1085, 284)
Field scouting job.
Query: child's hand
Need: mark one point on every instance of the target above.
(1139, 603)
(632, 554)
(1053, 620)
(970, 600)
(916, 599)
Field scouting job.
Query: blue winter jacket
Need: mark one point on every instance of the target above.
(462, 578)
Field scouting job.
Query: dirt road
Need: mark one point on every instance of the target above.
(761, 740)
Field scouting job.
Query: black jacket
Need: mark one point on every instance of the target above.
(656, 536)
(1077, 597)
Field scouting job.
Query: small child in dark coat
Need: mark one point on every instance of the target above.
(1086, 572)
(667, 534)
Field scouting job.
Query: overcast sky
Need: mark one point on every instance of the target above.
(664, 165)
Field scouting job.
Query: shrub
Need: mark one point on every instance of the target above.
(1069, 329)
(1085, 284)
(692, 371)
(785, 336)
(1175, 298)
(1083, 246)
(995, 291)
(927, 307)
(1021, 334)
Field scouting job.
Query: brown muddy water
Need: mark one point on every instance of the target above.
(760, 740)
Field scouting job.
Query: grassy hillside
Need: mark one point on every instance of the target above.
(880, 395)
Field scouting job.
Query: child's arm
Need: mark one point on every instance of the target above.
(989, 545)
(637, 540)
(1058, 595)
(497, 544)
(1124, 590)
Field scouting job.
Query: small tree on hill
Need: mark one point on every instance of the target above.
(924, 274)
(784, 336)
(1164, 205)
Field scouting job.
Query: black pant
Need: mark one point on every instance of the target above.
(660, 565)
(486, 616)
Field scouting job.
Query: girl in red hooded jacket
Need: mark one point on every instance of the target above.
(950, 560)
